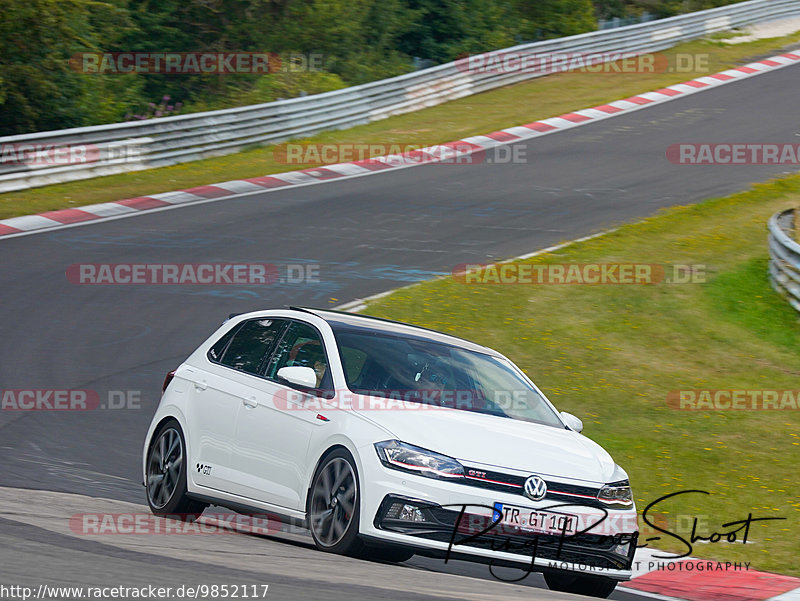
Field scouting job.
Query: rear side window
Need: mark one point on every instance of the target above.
(248, 346)
(216, 351)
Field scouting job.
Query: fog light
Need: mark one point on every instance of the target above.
(404, 511)
(411, 514)
(394, 511)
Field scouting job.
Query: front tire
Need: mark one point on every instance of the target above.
(334, 505)
(166, 474)
(591, 586)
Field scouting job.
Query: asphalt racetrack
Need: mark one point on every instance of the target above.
(366, 235)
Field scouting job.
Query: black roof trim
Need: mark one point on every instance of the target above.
(383, 319)
(307, 309)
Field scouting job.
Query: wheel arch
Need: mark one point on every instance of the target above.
(331, 448)
(155, 426)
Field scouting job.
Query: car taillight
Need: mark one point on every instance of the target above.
(167, 380)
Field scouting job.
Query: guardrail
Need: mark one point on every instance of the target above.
(131, 146)
(784, 256)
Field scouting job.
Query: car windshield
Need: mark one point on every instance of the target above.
(422, 371)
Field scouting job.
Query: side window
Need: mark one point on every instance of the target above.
(251, 344)
(354, 360)
(216, 351)
(302, 345)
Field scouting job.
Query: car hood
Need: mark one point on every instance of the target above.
(501, 442)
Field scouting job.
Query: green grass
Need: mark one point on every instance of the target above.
(611, 354)
(478, 114)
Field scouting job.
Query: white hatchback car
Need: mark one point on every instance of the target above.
(386, 440)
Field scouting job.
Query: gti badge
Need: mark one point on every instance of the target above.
(535, 488)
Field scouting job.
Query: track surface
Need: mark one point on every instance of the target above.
(367, 235)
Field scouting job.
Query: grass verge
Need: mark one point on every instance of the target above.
(611, 354)
(482, 113)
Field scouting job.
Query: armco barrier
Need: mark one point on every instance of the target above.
(132, 146)
(784, 253)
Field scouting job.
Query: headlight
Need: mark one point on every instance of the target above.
(616, 494)
(408, 458)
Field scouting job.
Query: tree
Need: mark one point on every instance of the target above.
(555, 18)
(38, 88)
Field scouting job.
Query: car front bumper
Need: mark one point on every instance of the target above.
(460, 522)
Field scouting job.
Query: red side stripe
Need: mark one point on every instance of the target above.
(693, 583)
(575, 117)
(539, 126)
(208, 191)
(607, 108)
(669, 92)
(142, 203)
(502, 136)
(639, 100)
(321, 173)
(7, 229)
(372, 164)
(69, 215)
(268, 182)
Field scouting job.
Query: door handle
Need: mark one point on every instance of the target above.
(200, 385)
(250, 402)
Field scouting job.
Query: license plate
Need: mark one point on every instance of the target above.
(535, 520)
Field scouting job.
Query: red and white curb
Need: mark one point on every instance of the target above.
(20, 226)
(692, 579)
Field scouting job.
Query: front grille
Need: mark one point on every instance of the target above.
(556, 491)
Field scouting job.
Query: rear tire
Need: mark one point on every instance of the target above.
(592, 586)
(166, 474)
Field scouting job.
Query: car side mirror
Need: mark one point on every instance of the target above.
(305, 377)
(573, 423)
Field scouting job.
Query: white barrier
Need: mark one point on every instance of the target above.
(132, 146)
(784, 257)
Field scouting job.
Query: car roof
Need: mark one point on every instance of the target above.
(353, 321)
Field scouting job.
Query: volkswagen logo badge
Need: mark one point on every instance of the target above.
(535, 488)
